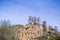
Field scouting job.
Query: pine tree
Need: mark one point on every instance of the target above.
(30, 19)
(44, 25)
(34, 19)
(38, 19)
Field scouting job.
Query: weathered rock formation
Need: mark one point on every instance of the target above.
(31, 31)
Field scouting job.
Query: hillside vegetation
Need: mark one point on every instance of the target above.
(34, 30)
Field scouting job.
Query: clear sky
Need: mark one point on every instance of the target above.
(18, 11)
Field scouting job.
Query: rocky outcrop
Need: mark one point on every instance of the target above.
(32, 31)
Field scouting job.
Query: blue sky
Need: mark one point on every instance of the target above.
(18, 11)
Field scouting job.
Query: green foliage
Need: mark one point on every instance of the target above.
(33, 19)
(5, 23)
(44, 24)
(38, 19)
(55, 38)
(30, 19)
(6, 31)
(51, 37)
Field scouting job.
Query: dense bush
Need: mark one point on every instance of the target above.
(6, 31)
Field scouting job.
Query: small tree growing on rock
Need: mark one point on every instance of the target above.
(44, 25)
(34, 19)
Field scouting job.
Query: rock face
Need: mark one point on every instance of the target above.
(34, 30)
(30, 31)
